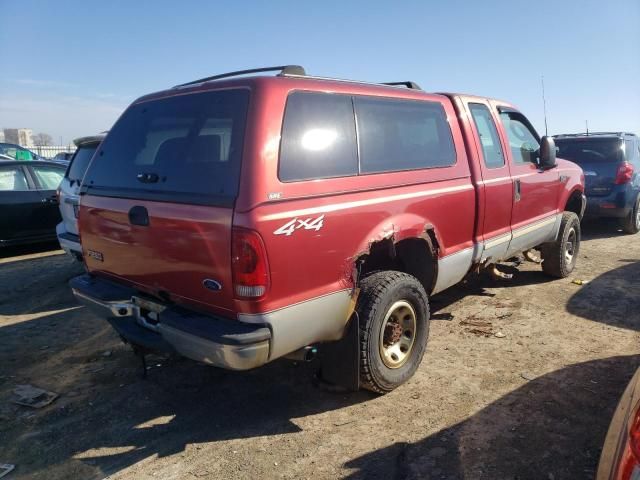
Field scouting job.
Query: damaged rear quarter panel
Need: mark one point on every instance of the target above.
(311, 262)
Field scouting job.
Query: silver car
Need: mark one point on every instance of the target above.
(69, 194)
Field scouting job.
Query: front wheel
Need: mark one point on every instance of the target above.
(393, 312)
(559, 257)
(631, 224)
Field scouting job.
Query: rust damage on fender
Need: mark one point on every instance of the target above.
(390, 250)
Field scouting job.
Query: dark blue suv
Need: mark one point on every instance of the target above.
(611, 164)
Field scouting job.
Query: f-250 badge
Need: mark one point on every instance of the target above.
(96, 255)
(298, 223)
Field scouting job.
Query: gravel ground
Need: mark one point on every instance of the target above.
(533, 402)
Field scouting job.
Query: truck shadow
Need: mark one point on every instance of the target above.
(108, 417)
(477, 284)
(551, 427)
(612, 298)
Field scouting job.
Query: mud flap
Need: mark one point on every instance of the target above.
(340, 361)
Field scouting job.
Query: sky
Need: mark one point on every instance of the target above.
(69, 68)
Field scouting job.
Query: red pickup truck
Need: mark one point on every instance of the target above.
(237, 219)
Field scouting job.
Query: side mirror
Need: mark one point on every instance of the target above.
(547, 153)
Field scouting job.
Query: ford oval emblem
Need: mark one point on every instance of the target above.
(213, 285)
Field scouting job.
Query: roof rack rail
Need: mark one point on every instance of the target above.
(590, 134)
(408, 84)
(610, 133)
(283, 69)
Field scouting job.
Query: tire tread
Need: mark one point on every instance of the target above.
(553, 252)
(372, 291)
(629, 225)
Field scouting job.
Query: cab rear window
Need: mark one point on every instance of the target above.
(184, 149)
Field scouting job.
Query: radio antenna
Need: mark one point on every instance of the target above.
(544, 107)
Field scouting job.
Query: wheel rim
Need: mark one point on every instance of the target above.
(397, 334)
(570, 246)
(638, 216)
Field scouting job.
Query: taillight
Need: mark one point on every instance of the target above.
(634, 435)
(629, 465)
(249, 264)
(624, 174)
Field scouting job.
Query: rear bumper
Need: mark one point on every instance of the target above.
(69, 242)
(618, 204)
(220, 342)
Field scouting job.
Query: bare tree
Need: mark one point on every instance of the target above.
(42, 139)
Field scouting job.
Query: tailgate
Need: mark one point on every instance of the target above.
(599, 177)
(69, 206)
(170, 258)
(156, 202)
(599, 158)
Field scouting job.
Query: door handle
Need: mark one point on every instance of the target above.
(517, 190)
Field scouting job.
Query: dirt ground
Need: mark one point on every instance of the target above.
(532, 404)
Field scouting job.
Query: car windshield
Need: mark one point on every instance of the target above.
(185, 149)
(80, 161)
(15, 152)
(585, 149)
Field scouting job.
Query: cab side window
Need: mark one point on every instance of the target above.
(488, 134)
(523, 141)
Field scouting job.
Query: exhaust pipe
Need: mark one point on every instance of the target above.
(305, 354)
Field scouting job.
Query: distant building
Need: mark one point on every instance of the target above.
(1, 136)
(21, 136)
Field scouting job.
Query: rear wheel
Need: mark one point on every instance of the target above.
(393, 311)
(559, 257)
(632, 223)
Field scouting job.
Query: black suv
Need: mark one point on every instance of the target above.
(611, 164)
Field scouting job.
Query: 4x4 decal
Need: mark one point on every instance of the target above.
(298, 223)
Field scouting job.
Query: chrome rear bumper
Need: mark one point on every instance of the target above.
(220, 342)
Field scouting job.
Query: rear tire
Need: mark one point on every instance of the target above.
(393, 313)
(559, 257)
(631, 225)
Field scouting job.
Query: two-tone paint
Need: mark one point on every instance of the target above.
(471, 213)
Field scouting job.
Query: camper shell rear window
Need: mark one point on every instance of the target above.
(184, 149)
